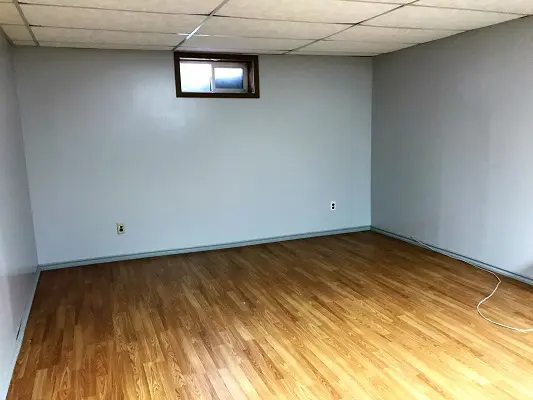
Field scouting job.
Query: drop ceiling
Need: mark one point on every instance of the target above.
(324, 27)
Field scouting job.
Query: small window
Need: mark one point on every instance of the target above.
(213, 77)
(216, 75)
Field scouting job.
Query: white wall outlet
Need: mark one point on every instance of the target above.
(121, 228)
(333, 206)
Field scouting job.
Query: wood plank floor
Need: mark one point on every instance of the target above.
(358, 316)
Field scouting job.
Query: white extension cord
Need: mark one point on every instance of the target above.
(486, 298)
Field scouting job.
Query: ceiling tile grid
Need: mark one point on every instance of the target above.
(46, 34)
(329, 11)
(24, 42)
(505, 6)
(157, 6)
(305, 27)
(398, 35)
(244, 27)
(103, 46)
(238, 43)
(328, 53)
(439, 18)
(86, 18)
(231, 51)
(344, 46)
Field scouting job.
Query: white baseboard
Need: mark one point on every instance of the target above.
(476, 263)
(124, 257)
(20, 338)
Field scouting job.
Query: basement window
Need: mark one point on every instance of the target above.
(216, 75)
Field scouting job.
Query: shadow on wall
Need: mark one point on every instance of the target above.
(7, 339)
(527, 272)
(16, 280)
(15, 285)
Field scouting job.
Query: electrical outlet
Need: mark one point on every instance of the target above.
(333, 206)
(121, 228)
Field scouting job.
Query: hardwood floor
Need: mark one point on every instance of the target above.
(358, 316)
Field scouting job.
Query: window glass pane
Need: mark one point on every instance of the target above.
(229, 78)
(195, 77)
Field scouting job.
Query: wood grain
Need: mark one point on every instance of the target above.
(357, 316)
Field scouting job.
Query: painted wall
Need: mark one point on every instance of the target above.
(18, 259)
(452, 144)
(107, 141)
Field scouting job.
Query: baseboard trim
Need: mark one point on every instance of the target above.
(22, 330)
(474, 262)
(125, 257)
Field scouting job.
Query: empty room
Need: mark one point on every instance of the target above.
(266, 199)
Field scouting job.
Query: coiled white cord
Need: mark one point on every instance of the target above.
(486, 298)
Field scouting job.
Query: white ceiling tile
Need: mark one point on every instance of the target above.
(333, 11)
(103, 46)
(363, 33)
(23, 42)
(162, 6)
(355, 47)
(105, 37)
(71, 17)
(17, 32)
(9, 14)
(439, 18)
(241, 27)
(330, 53)
(223, 42)
(234, 51)
(509, 6)
(398, 2)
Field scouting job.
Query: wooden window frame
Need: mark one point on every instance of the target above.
(252, 64)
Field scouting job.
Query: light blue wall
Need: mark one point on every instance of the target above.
(452, 144)
(107, 141)
(18, 258)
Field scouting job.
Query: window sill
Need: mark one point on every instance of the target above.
(219, 95)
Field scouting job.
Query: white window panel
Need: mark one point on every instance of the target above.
(17, 32)
(223, 42)
(355, 47)
(112, 37)
(162, 6)
(332, 11)
(231, 51)
(363, 33)
(103, 46)
(70, 17)
(439, 18)
(227, 26)
(508, 6)
(9, 14)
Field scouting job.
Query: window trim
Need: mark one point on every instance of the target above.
(252, 63)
